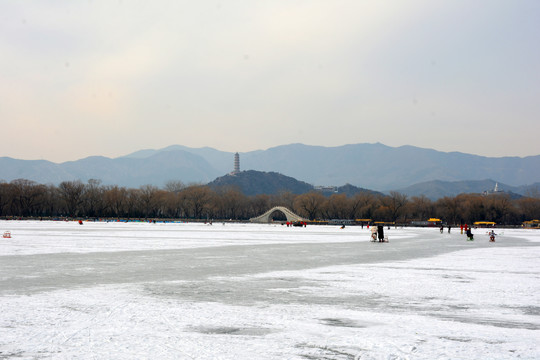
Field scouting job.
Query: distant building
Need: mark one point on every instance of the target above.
(495, 190)
(326, 188)
(236, 164)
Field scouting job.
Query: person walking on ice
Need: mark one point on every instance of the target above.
(380, 232)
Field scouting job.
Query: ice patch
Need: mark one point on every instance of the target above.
(481, 302)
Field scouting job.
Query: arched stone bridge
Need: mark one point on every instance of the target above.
(266, 217)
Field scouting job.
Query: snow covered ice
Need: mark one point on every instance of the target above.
(246, 291)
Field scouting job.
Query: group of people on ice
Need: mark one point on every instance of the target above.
(470, 235)
(377, 233)
(468, 232)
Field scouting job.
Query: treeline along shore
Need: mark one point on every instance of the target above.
(23, 198)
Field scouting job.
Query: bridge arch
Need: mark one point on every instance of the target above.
(266, 217)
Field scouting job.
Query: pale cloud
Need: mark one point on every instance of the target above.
(247, 75)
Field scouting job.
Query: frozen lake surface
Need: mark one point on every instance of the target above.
(245, 291)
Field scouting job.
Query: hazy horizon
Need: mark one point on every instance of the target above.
(102, 78)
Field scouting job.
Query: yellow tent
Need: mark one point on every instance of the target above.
(532, 224)
(484, 223)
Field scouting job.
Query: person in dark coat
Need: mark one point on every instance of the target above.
(380, 233)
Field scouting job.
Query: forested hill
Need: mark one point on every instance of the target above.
(258, 182)
(271, 183)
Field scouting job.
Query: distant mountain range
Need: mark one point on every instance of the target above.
(409, 169)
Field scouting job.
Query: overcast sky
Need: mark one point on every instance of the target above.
(83, 78)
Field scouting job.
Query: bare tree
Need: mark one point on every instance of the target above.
(27, 196)
(72, 193)
(309, 204)
(529, 208)
(232, 201)
(420, 207)
(52, 204)
(175, 186)
(5, 196)
(93, 198)
(473, 207)
(364, 205)
(395, 203)
(149, 197)
(115, 200)
(258, 205)
(449, 209)
(197, 200)
(338, 206)
(133, 203)
(499, 207)
(284, 198)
